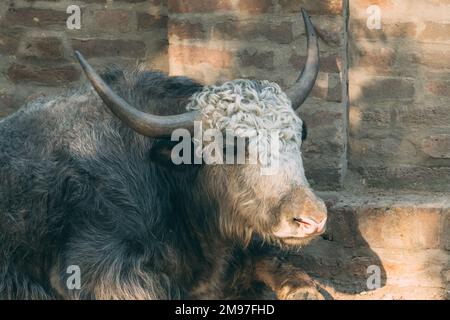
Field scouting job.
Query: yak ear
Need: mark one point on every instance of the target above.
(304, 131)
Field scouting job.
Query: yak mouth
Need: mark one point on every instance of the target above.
(293, 238)
(298, 231)
(296, 241)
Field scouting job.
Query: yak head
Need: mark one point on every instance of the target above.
(269, 196)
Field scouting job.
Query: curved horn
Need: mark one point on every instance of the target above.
(305, 82)
(141, 122)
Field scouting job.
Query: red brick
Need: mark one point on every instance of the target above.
(88, 1)
(375, 147)
(380, 89)
(52, 76)
(279, 33)
(431, 179)
(446, 231)
(439, 88)
(255, 6)
(331, 36)
(330, 64)
(239, 30)
(322, 144)
(184, 29)
(147, 21)
(262, 60)
(363, 4)
(185, 6)
(154, 2)
(436, 59)
(229, 29)
(374, 117)
(31, 17)
(191, 55)
(112, 21)
(359, 30)
(386, 223)
(324, 178)
(437, 146)
(321, 118)
(109, 48)
(333, 94)
(401, 227)
(330, 7)
(50, 48)
(435, 32)
(416, 116)
(9, 40)
(381, 58)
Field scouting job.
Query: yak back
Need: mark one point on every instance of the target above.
(72, 175)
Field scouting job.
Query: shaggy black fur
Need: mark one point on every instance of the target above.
(79, 188)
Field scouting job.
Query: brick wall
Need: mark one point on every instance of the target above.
(400, 94)
(36, 47)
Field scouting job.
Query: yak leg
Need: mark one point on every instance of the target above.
(116, 280)
(286, 280)
(108, 270)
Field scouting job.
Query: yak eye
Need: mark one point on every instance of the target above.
(304, 131)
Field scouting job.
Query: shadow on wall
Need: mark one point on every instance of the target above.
(342, 262)
(399, 115)
(399, 119)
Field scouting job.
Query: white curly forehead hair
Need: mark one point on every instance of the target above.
(244, 106)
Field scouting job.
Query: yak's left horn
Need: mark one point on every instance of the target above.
(303, 86)
(146, 124)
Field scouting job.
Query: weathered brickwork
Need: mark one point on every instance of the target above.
(399, 123)
(36, 47)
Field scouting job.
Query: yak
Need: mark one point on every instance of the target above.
(88, 188)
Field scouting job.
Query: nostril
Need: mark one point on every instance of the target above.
(310, 226)
(305, 222)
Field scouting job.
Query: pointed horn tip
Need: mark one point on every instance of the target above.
(310, 29)
(304, 13)
(301, 89)
(78, 55)
(80, 59)
(306, 17)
